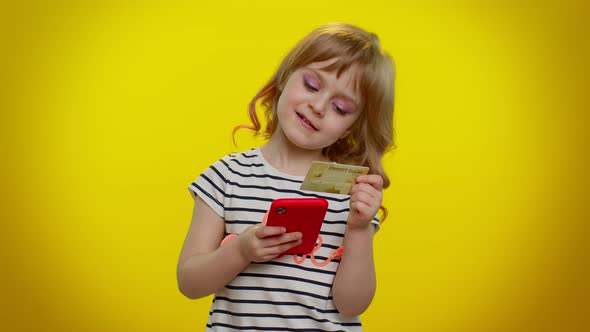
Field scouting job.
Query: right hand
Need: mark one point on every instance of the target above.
(263, 243)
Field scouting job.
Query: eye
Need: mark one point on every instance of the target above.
(339, 109)
(309, 86)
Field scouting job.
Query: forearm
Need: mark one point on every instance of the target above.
(202, 275)
(355, 282)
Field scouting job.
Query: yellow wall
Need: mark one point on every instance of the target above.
(109, 110)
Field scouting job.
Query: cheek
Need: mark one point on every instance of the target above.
(287, 101)
(283, 108)
(293, 93)
(338, 130)
(347, 127)
(282, 103)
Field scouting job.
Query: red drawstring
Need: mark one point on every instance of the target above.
(335, 254)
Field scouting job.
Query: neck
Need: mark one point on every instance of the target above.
(287, 157)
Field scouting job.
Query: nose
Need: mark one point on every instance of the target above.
(318, 106)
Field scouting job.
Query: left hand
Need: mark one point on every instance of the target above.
(366, 197)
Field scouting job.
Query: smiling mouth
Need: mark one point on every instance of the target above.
(306, 121)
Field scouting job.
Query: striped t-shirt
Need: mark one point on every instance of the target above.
(282, 294)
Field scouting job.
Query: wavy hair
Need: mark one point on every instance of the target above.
(371, 136)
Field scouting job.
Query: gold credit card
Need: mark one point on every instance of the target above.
(332, 177)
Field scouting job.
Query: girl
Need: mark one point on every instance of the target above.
(331, 99)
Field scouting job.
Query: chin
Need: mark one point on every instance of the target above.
(304, 142)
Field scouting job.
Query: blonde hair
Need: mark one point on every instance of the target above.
(372, 133)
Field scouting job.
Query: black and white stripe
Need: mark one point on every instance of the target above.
(279, 295)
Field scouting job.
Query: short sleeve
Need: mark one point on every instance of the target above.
(376, 222)
(211, 186)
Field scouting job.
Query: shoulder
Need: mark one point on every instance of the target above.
(234, 158)
(244, 158)
(241, 162)
(236, 164)
(216, 180)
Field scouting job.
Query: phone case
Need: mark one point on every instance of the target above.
(304, 215)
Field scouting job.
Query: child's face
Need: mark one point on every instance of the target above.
(316, 108)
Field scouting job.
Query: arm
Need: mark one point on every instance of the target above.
(355, 281)
(204, 267)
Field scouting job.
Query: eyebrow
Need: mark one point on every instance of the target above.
(323, 79)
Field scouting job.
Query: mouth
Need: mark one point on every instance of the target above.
(306, 121)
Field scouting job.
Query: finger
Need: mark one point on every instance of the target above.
(366, 198)
(365, 205)
(274, 251)
(374, 180)
(266, 231)
(363, 209)
(365, 187)
(279, 240)
(286, 246)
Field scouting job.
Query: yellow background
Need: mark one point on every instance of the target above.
(109, 109)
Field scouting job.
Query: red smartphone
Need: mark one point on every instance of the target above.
(304, 215)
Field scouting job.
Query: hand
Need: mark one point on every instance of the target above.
(263, 243)
(366, 197)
